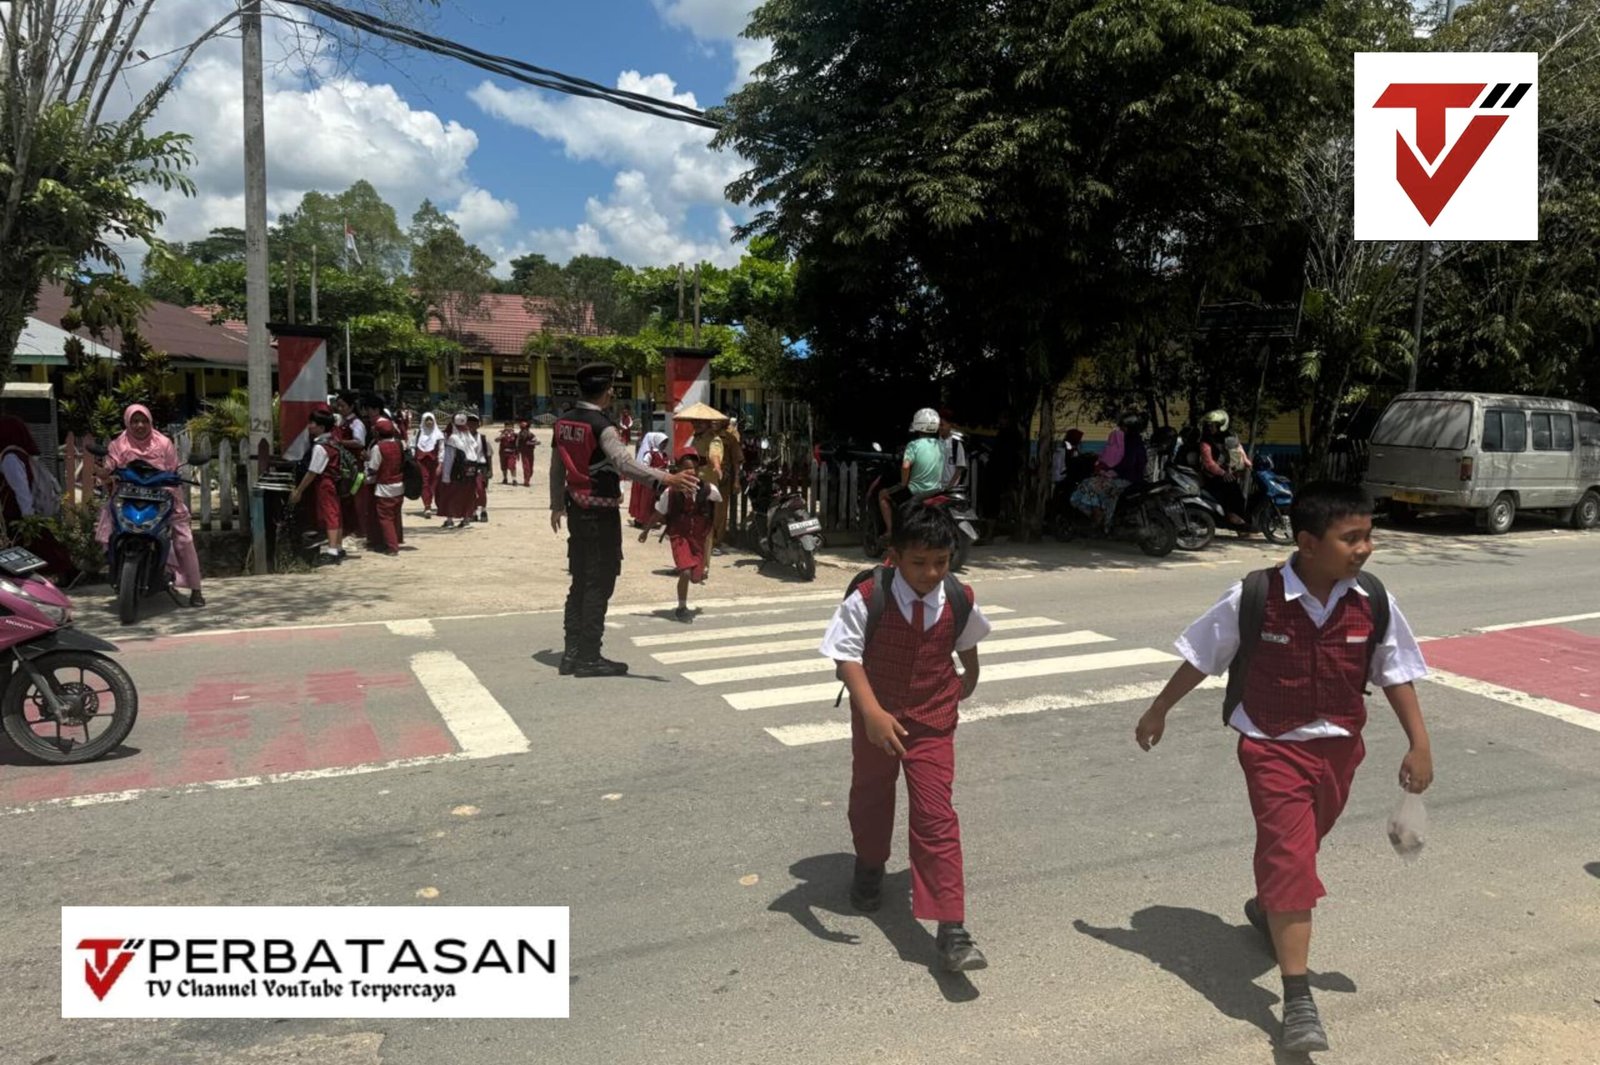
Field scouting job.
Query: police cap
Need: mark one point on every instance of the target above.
(595, 376)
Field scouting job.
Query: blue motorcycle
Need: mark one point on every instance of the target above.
(141, 535)
(1269, 505)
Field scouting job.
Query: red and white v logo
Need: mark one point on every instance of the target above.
(1430, 194)
(103, 971)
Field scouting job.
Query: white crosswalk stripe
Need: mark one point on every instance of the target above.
(763, 669)
(746, 632)
(811, 643)
(819, 664)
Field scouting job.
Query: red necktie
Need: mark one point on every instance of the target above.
(916, 616)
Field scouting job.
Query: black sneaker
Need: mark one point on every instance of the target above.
(957, 952)
(569, 661)
(1302, 1028)
(599, 667)
(682, 613)
(196, 599)
(866, 889)
(1258, 919)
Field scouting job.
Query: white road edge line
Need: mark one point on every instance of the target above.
(479, 723)
(1572, 715)
(330, 773)
(825, 731)
(411, 627)
(1539, 622)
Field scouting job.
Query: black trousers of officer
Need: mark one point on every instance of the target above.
(594, 558)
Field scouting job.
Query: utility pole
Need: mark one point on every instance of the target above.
(314, 318)
(257, 294)
(1424, 259)
(288, 278)
(697, 305)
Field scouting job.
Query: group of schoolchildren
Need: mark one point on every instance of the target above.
(1300, 643)
(361, 458)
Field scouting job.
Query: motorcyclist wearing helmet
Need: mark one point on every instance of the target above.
(921, 467)
(1223, 461)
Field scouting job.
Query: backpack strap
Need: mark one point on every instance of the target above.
(1378, 603)
(877, 600)
(1252, 615)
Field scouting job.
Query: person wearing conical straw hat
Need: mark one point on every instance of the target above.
(707, 444)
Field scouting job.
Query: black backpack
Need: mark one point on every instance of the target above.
(955, 593)
(411, 475)
(1253, 614)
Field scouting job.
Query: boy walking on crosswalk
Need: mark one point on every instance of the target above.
(1300, 643)
(892, 638)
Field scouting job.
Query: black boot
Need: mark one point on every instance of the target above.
(957, 952)
(866, 890)
(596, 666)
(569, 661)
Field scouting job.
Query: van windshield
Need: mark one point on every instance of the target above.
(1432, 423)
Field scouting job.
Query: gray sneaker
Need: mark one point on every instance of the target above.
(1302, 1028)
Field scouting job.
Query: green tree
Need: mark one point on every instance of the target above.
(319, 220)
(451, 278)
(531, 275)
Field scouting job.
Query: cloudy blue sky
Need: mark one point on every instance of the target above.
(518, 168)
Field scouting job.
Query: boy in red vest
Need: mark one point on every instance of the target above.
(321, 476)
(1300, 643)
(527, 443)
(508, 453)
(893, 650)
(688, 515)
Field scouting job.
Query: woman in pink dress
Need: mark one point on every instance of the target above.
(141, 440)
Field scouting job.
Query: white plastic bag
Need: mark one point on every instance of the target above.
(1408, 826)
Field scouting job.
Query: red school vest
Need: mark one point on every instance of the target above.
(690, 519)
(1300, 673)
(391, 463)
(912, 673)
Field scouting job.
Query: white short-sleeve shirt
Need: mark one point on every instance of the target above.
(318, 462)
(1211, 643)
(846, 637)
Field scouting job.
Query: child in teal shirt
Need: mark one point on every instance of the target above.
(921, 467)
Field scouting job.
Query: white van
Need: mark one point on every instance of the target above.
(1490, 454)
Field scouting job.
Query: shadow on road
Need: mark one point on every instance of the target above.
(12, 755)
(1219, 960)
(824, 888)
(1593, 869)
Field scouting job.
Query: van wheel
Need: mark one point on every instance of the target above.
(1586, 515)
(1402, 514)
(1498, 517)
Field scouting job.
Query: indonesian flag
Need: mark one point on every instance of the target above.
(350, 248)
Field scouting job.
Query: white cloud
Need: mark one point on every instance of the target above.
(666, 170)
(720, 22)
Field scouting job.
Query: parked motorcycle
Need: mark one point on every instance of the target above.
(782, 528)
(65, 701)
(141, 534)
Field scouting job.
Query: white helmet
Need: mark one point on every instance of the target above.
(925, 420)
(1218, 418)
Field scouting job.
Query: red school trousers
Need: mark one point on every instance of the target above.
(389, 536)
(938, 891)
(1297, 792)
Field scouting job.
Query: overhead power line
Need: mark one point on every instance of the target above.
(506, 67)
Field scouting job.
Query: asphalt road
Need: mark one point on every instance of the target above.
(693, 817)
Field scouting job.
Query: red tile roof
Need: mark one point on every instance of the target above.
(168, 328)
(209, 312)
(503, 324)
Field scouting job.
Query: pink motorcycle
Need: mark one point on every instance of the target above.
(65, 701)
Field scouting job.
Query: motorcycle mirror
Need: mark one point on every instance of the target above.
(97, 450)
(877, 446)
(198, 460)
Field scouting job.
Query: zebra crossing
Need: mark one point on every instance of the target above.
(773, 676)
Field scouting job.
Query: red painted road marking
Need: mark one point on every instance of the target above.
(218, 729)
(1550, 662)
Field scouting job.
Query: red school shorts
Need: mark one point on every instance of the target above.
(1297, 792)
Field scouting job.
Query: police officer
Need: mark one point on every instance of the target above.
(586, 484)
